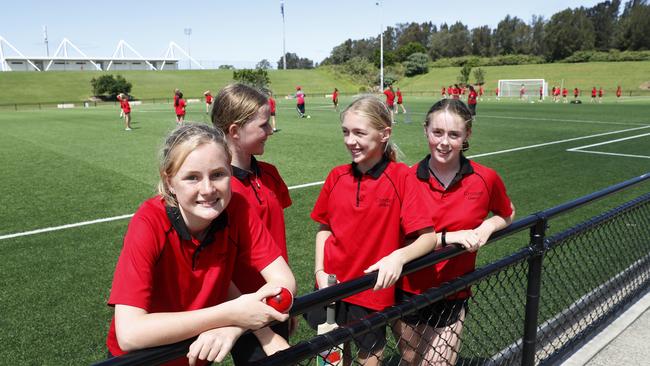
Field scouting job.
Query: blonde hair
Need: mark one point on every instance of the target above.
(373, 109)
(236, 104)
(178, 145)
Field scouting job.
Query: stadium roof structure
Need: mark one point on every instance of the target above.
(125, 57)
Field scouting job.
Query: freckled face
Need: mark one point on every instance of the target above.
(446, 133)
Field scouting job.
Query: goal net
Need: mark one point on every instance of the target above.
(524, 88)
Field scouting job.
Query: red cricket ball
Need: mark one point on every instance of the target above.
(281, 302)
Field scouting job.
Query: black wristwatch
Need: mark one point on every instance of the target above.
(443, 238)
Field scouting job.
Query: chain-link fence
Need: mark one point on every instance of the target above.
(531, 307)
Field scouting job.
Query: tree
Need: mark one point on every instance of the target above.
(459, 42)
(482, 41)
(634, 26)
(226, 67)
(295, 62)
(110, 85)
(263, 64)
(567, 32)
(465, 71)
(479, 75)
(537, 46)
(604, 17)
(512, 36)
(407, 50)
(416, 64)
(258, 78)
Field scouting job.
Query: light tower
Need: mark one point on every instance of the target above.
(188, 33)
(381, 47)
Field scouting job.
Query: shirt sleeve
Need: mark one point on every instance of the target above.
(320, 213)
(257, 248)
(133, 278)
(499, 201)
(415, 214)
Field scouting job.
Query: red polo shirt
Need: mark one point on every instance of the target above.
(593, 92)
(576, 92)
(399, 97)
(162, 268)
(474, 192)
(335, 97)
(268, 196)
(180, 108)
(208, 99)
(390, 97)
(124, 104)
(471, 98)
(369, 216)
(271, 105)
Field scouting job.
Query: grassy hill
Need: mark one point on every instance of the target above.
(629, 75)
(74, 86)
(71, 86)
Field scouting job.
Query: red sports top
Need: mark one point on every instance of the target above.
(474, 192)
(208, 99)
(576, 92)
(271, 105)
(601, 92)
(471, 98)
(618, 91)
(390, 97)
(268, 196)
(399, 97)
(369, 216)
(593, 92)
(180, 108)
(124, 104)
(162, 268)
(444, 91)
(335, 96)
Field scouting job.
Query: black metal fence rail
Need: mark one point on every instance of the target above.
(519, 312)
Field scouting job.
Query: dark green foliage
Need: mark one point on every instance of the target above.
(226, 67)
(416, 64)
(263, 64)
(612, 55)
(258, 78)
(488, 61)
(360, 70)
(634, 26)
(109, 85)
(479, 76)
(604, 17)
(567, 32)
(405, 51)
(295, 62)
(512, 36)
(465, 71)
(389, 58)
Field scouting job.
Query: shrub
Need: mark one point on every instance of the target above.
(416, 64)
(258, 78)
(110, 86)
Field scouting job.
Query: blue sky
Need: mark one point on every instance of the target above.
(239, 32)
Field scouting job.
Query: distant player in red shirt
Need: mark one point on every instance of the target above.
(594, 92)
(496, 92)
(469, 204)
(455, 92)
(272, 108)
(390, 101)
(480, 92)
(173, 277)
(565, 94)
(242, 113)
(400, 102)
(471, 101)
(179, 108)
(366, 210)
(126, 110)
(300, 103)
(522, 92)
(208, 100)
(541, 93)
(335, 99)
(576, 93)
(450, 91)
(443, 93)
(601, 93)
(619, 92)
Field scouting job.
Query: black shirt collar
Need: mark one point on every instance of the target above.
(175, 217)
(375, 172)
(242, 174)
(465, 169)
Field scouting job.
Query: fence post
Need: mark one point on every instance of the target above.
(533, 290)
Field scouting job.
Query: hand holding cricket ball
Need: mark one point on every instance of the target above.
(281, 302)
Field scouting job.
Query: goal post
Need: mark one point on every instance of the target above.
(522, 88)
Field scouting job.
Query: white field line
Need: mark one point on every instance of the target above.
(55, 228)
(581, 148)
(565, 120)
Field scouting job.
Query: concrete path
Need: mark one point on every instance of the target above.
(624, 342)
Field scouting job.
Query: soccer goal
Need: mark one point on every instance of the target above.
(522, 88)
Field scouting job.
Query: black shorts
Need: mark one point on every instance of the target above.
(371, 342)
(472, 109)
(273, 113)
(301, 108)
(248, 349)
(437, 315)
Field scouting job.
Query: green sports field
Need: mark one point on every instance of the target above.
(63, 167)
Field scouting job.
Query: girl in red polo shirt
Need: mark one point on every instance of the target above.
(242, 113)
(335, 99)
(365, 211)
(173, 277)
(208, 100)
(471, 100)
(400, 102)
(470, 191)
(179, 108)
(126, 110)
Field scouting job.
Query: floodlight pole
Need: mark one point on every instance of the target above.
(188, 33)
(284, 41)
(47, 46)
(381, 48)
